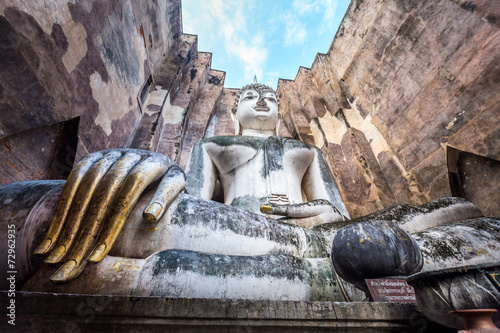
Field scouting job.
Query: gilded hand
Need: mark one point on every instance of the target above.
(96, 200)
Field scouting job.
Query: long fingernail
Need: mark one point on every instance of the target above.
(98, 253)
(152, 212)
(64, 272)
(56, 255)
(266, 209)
(43, 247)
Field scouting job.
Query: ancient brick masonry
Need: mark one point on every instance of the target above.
(402, 83)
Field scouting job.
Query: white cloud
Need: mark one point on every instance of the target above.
(253, 55)
(295, 30)
(187, 22)
(305, 6)
(227, 21)
(329, 14)
(271, 78)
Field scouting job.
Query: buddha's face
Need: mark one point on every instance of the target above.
(257, 110)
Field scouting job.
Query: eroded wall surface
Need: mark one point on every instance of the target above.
(62, 60)
(401, 82)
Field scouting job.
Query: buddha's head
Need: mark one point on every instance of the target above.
(256, 109)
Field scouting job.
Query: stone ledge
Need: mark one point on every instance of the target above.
(43, 312)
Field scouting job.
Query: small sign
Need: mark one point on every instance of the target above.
(391, 290)
(495, 278)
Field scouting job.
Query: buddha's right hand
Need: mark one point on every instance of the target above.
(96, 200)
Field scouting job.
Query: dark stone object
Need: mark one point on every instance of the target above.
(471, 177)
(458, 288)
(374, 249)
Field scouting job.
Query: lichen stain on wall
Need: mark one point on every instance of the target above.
(333, 128)
(76, 37)
(111, 97)
(174, 113)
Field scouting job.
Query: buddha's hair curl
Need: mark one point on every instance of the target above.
(261, 88)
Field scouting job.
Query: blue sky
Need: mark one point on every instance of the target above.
(269, 38)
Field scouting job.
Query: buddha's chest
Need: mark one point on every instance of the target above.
(260, 162)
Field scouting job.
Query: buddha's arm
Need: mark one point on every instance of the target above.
(96, 200)
(324, 203)
(318, 183)
(201, 173)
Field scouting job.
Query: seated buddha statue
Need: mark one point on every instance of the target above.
(130, 222)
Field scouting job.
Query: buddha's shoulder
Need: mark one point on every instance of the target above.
(292, 143)
(254, 141)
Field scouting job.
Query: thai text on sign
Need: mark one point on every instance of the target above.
(391, 290)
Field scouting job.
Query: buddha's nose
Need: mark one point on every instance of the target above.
(261, 101)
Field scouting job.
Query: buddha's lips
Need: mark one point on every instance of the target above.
(261, 108)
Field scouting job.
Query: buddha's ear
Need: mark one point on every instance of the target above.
(277, 128)
(236, 124)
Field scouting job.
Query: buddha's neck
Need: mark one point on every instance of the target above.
(252, 132)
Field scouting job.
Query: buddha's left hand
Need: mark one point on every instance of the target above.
(320, 209)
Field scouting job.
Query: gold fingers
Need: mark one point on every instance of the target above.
(153, 211)
(80, 204)
(266, 209)
(64, 204)
(274, 209)
(99, 206)
(172, 183)
(98, 253)
(144, 173)
(45, 245)
(100, 194)
(67, 272)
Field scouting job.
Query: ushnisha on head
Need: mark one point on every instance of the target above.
(255, 110)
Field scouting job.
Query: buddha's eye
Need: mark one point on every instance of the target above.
(249, 97)
(269, 98)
